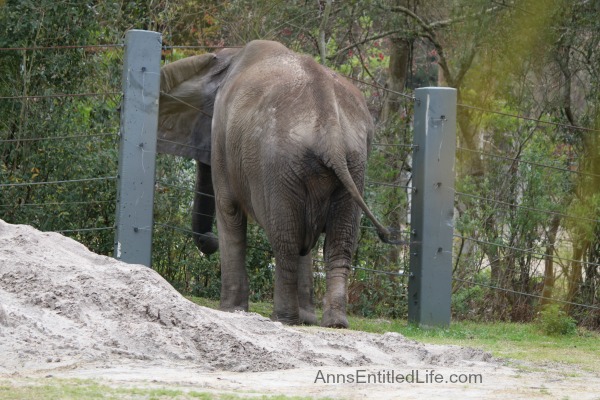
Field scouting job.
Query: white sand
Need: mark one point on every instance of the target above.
(68, 312)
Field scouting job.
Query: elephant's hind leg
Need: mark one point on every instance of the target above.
(235, 288)
(286, 307)
(306, 300)
(340, 242)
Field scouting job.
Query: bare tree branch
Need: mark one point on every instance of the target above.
(430, 27)
(429, 32)
(366, 40)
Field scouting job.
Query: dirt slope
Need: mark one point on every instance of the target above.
(67, 312)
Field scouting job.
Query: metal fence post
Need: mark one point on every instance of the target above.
(137, 147)
(432, 209)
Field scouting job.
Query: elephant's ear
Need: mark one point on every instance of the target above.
(188, 90)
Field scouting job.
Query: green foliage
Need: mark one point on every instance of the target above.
(260, 264)
(24, 158)
(467, 301)
(374, 295)
(553, 320)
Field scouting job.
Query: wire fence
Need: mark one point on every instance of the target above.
(516, 202)
(53, 176)
(24, 136)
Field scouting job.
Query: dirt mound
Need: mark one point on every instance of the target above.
(64, 306)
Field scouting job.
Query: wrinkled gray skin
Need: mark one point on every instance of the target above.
(282, 140)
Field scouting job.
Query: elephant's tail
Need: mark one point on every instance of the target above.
(387, 235)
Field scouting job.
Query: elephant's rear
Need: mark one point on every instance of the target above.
(287, 120)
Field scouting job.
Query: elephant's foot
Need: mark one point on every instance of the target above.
(233, 309)
(308, 317)
(287, 319)
(334, 319)
(303, 318)
(233, 303)
(334, 302)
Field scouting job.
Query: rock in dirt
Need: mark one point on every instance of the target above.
(64, 306)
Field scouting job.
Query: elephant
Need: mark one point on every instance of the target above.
(283, 141)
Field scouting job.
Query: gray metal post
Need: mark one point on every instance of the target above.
(432, 208)
(137, 148)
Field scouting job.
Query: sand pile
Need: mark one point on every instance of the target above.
(64, 306)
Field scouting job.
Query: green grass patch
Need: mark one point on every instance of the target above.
(83, 389)
(527, 342)
(503, 339)
(76, 389)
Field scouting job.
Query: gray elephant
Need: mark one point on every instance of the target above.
(282, 140)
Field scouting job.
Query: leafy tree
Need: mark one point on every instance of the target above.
(34, 82)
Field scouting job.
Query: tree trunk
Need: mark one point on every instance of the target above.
(549, 262)
(322, 28)
(400, 51)
(575, 273)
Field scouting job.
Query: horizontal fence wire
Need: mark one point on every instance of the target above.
(526, 294)
(86, 229)
(191, 232)
(378, 271)
(406, 231)
(405, 145)
(516, 116)
(69, 137)
(66, 203)
(203, 214)
(388, 184)
(68, 47)
(380, 87)
(375, 271)
(529, 162)
(169, 47)
(189, 189)
(182, 144)
(183, 230)
(106, 178)
(528, 208)
(527, 251)
(59, 95)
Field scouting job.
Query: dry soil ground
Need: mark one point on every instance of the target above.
(70, 313)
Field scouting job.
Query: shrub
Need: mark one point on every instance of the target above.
(554, 321)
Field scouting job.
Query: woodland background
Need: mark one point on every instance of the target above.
(528, 158)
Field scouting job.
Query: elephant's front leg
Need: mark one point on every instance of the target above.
(204, 210)
(235, 289)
